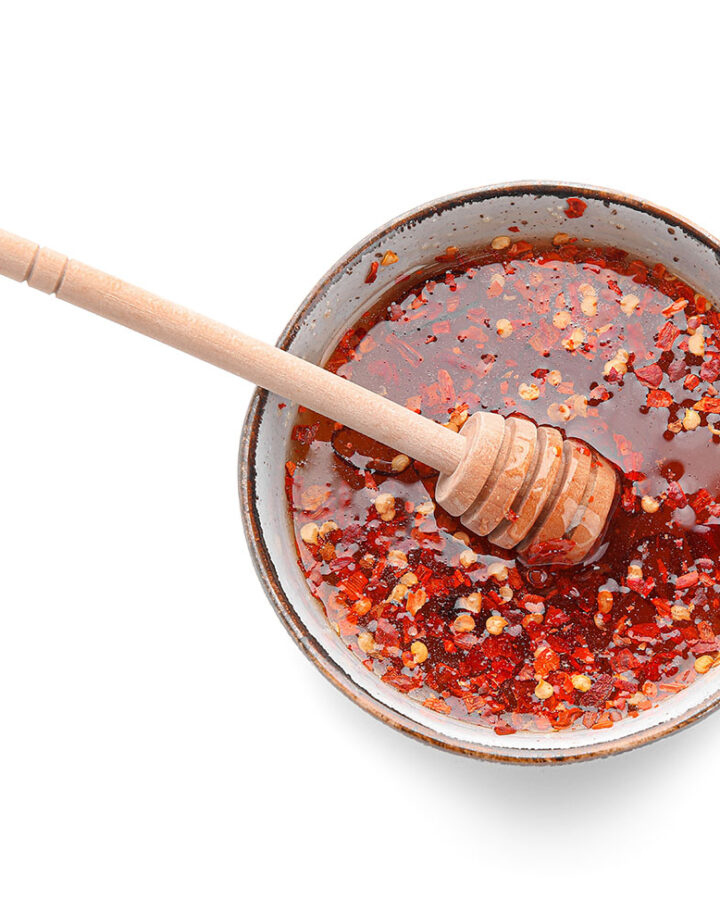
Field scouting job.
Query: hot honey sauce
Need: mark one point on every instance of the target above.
(613, 351)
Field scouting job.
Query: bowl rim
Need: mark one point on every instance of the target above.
(262, 560)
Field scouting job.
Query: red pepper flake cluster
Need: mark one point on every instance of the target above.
(612, 350)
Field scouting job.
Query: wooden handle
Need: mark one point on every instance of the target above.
(267, 366)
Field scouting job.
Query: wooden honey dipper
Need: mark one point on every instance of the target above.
(519, 485)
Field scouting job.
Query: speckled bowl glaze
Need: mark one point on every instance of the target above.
(465, 220)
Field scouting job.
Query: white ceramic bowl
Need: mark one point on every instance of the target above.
(465, 220)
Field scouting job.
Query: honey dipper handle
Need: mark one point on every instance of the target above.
(267, 366)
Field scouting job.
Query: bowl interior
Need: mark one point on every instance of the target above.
(465, 221)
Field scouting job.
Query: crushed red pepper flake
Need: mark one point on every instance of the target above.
(575, 207)
(389, 258)
(651, 375)
(659, 398)
(708, 404)
(372, 273)
(394, 583)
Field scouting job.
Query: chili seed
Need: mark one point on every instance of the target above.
(581, 682)
(400, 462)
(366, 642)
(310, 533)
(472, 603)
(468, 558)
(385, 505)
(649, 504)
(495, 624)
(498, 571)
(464, 623)
(703, 664)
(604, 602)
(419, 651)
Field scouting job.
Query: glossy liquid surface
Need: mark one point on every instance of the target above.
(621, 355)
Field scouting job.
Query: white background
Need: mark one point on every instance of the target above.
(160, 734)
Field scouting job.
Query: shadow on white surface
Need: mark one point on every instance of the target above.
(558, 792)
(549, 794)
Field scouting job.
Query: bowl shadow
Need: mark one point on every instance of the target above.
(556, 792)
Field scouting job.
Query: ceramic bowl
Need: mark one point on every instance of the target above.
(464, 220)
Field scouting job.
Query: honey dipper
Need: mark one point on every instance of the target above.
(519, 485)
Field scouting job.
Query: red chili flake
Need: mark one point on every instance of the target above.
(389, 259)
(513, 228)
(710, 369)
(623, 661)
(575, 207)
(691, 382)
(546, 661)
(355, 585)
(386, 632)
(666, 336)
(437, 704)
(599, 692)
(651, 375)
(405, 683)
(555, 617)
(305, 434)
(675, 307)
(518, 248)
(623, 444)
(599, 393)
(638, 270)
(705, 631)
(657, 398)
(474, 703)
(676, 498)
(447, 388)
(613, 376)
(708, 404)
(701, 647)
(672, 687)
(644, 631)
(544, 338)
(372, 274)
(290, 467)
(408, 353)
(690, 579)
(676, 369)
(370, 482)
(662, 606)
(700, 500)
(546, 552)
(495, 288)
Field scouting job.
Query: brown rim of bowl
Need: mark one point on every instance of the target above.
(265, 567)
